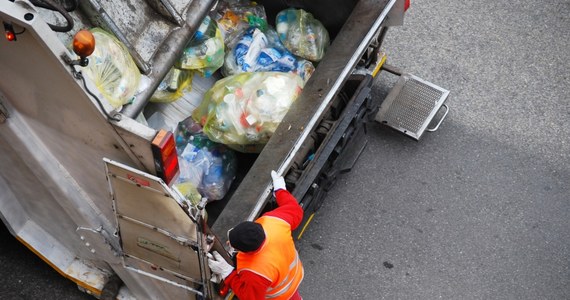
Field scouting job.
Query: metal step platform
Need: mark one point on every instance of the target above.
(412, 105)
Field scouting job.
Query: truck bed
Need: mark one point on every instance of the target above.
(56, 136)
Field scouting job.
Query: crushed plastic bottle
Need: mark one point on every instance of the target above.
(213, 185)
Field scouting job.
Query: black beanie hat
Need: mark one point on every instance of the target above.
(247, 236)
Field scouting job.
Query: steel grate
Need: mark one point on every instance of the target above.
(411, 105)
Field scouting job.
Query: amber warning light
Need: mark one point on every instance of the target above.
(83, 46)
(165, 156)
(83, 43)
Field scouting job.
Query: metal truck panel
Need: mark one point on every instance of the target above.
(158, 229)
(54, 142)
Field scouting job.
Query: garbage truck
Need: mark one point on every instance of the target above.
(87, 187)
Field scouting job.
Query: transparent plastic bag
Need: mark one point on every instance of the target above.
(209, 166)
(205, 51)
(234, 17)
(242, 111)
(172, 86)
(112, 69)
(302, 34)
(220, 174)
(262, 51)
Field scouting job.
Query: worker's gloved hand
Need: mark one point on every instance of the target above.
(278, 182)
(218, 265)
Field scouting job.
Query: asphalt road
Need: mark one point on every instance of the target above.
(479, 209)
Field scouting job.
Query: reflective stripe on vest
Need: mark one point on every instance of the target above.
(287, 282)
(277, 260)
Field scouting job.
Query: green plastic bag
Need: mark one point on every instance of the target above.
(243, 110)
(112, 69)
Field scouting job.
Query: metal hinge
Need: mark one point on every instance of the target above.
(4, 115)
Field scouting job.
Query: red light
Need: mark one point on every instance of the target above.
(406, 5)
(10, 36)
(165, 156)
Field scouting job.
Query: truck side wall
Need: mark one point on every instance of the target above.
(55, 197)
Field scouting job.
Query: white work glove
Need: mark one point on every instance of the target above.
(278, 182)
(218, 265)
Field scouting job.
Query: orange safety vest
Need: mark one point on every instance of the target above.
(277, 260)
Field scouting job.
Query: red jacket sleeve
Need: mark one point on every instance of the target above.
(248, 285)
(289, 210)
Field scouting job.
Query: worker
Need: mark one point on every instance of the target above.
(267, 263)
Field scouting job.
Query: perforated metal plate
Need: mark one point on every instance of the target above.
(411, 105)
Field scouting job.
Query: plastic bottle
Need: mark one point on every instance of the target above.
(213, 182)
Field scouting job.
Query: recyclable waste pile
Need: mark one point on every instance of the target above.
(207, 169)
(229, 90)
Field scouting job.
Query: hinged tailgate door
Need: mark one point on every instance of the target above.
(160, 238)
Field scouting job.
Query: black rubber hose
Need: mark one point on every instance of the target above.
(52, 5)
(68, 5)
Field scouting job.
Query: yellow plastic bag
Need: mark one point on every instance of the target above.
(112, 69)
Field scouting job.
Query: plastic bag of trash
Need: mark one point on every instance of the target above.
(205, 51)
(112, 69)
(234, 17)
(209, 166)
(302, 34)
(221, 173)
(189, 191)
(242, 111)
(172, 87)
(262, 51)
